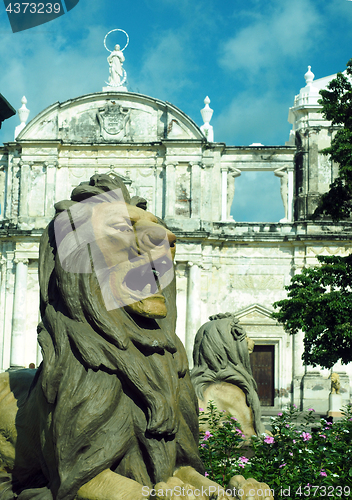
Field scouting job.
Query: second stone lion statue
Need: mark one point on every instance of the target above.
(222, 372)
(111, 413)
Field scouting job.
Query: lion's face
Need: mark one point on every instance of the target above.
(139, 253)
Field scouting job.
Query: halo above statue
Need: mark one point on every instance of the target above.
(117, 74)
(111, 31)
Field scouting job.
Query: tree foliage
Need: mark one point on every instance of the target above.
(320, 304)
(336, 100)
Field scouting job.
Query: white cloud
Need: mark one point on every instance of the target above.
(43, 65)
(253, 117)
(165, 66)
(285, 31)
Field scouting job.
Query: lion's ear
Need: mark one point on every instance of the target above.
(63, 205)
(139, 202)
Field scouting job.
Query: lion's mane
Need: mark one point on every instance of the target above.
(114, 390)
(220, 354)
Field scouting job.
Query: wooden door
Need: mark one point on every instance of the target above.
(262, 363)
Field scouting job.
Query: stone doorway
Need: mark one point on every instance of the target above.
(262, 364)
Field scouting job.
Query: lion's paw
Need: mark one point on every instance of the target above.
(250, 489)
(202, 486)
(175, 489)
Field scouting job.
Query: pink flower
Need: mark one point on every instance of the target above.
(282, 465)
(244, 459)
(201, 409)
(203, 445)
(279, 414)
(311, 409)
(240, 432)
(207, 435)
(206, 474)
(350, 419)
(294, 441)
(291, 454)
(233, 418)
(241, 465)
(295, 406)
(306, 436)
(287, 425)
(322, 436)
(323, 473)
(328, 423)
(269, 440)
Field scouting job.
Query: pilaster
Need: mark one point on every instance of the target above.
(17, 359)
(224, 193)
(25, 186)
(170, 189)
(193, 318)
(196, 190)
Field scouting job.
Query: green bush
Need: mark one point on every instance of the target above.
(304, 457)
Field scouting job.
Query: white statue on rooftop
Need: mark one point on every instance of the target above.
(117, 74)
(115, 60)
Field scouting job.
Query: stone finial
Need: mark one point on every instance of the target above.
(207, 113)
(309, 76)
(23, 113)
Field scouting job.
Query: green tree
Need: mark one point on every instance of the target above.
(337, 107)
(320, 304)
(320, 298)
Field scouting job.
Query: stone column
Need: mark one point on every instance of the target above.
(290, 195)
(223, 193)
(170, 189)
(231, 174)
(196, 190)
(17, 359)
(159, 173)
(207, 212)
(15, 188)
(2, 191)
(3, 263)
(193, 318)
(284, 175)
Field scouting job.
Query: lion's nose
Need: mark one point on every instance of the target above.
(157, 236)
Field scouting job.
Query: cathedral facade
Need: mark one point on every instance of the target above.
(188, 180)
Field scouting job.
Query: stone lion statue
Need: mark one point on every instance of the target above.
(110, 413)
(335, 383)
(222, 372)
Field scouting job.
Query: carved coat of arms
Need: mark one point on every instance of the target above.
(113, 120)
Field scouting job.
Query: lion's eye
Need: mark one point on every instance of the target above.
(123, 228)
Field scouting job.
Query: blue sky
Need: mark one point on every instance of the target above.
(248, 56)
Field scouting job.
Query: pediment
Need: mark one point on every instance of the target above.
(105, 117)
(256, 314)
